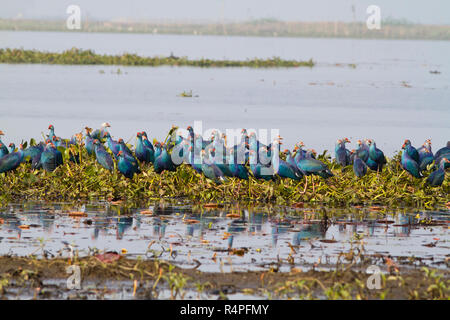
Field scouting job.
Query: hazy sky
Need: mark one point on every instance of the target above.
(419, 11)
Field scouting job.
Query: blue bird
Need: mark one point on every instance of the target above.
(51, 158)
(114, 146)
(222, 165)
(341, 153)
(194, 162)
(409, 164)
(260, 170)
(124, 148)
(239, 170)
(102, 156)
(158, 149)
(146, 142)
(376, 156)
(143, 153)
(359, 166)
(309, 167)
(362, 151)
(11, 161)
(283, 168)
(33, 155)
(164, 162)
(89, 141)
(99, 134)
(443, 151)
(425, 155)
(436, 178)
(412, 152)
(3, 149)
(126, 167)
(211, 171)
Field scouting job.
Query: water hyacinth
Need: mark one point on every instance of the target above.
(76, 56)
(89, 180)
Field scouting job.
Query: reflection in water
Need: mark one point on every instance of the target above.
(258, 229)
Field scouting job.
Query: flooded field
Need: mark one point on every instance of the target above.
(260, 236)
(227, 240)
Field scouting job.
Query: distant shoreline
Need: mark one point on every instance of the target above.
(259, 28)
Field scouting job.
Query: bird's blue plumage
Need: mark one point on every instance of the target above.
(410, 165)
(102, 156)
(11, 161)
(359, 167)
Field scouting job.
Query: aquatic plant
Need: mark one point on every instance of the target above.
(76, 56)
(88, 180)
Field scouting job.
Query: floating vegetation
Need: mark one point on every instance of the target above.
(76, 56)
(187, 94)
(89, 181)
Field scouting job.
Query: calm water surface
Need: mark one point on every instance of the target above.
(390, 96)
(268, 234)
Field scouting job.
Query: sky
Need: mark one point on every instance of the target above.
(417, 11)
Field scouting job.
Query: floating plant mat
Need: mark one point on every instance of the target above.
(76, 56)
(88, 180)
(228, 238)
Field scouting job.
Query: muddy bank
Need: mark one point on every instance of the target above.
(114, 276)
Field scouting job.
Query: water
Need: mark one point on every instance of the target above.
(390, 96)
(183, 234)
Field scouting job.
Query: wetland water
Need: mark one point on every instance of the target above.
(390, 95)
(190, 236)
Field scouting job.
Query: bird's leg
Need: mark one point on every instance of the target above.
(306, 184)
(312, 181)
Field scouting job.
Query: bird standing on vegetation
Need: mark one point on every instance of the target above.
(114, 146)
(33, 154)
(260, 170)
(51, 158)
(11, 161)
(210, 170)
(425, 155)
(362, 151)
(436, 178)
(239, 170)
(125, 166)
(441, 154)
(99, 134)
(359, 166)
(164, 162)
(3, 149)
(283, 168)
(412, 152)
(376, 156)
(142, 152)
(442, 151)
(102, 156)
(410, 164)
(89, 141)
(341, 153)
